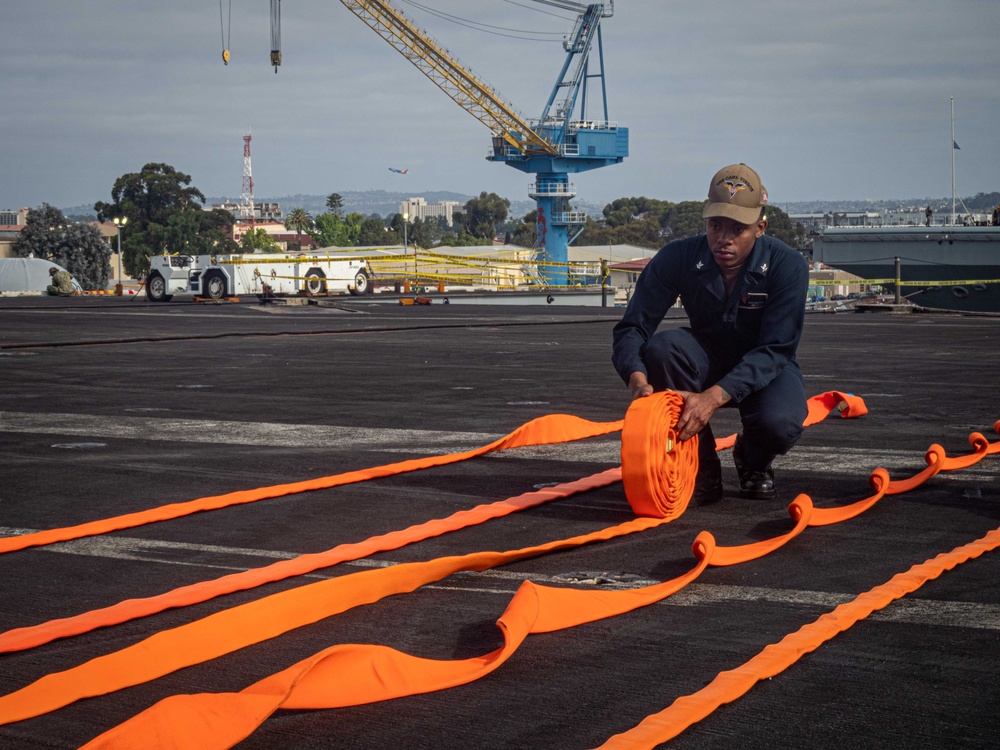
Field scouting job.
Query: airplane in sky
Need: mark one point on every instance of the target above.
(398, 171)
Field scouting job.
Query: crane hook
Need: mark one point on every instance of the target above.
(226, 31)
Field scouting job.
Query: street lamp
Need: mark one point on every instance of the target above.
(406, 220)
(119, 223)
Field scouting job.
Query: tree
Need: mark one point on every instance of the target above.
(627, 210)
(780, 226)
(149, 199)
(398, 230)
(372, 232)
(298, 220)
(983, 202)
(335, 203)
(463, 239)
(525, 233)
(79, 248)
(688, 222)
(258, 239)
(483, 215)
(215, 235)
(423, 233)
(331, 229)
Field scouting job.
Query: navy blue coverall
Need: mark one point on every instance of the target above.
(744, 343)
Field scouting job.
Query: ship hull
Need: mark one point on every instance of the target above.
(947, 268)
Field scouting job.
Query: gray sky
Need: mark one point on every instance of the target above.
(844, 99)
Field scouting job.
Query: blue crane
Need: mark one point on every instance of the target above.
(551, 147)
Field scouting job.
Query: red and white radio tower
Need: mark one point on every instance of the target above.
(246, 197)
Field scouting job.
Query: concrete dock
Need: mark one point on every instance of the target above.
(112, 405)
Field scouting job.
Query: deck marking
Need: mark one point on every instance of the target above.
(929, 612)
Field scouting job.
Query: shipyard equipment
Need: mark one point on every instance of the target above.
(552, 147)
(263, 274)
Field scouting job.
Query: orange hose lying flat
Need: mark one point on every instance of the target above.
(879, 480)
(376, 673)
(270, 616)
(207, 721)
(728, 686)
(818, 408)
(552, 428)
(19, 639)
(656, 487)
(847, 404)
(348, 675)
(241, 626)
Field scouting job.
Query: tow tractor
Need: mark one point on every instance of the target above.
(266, 275)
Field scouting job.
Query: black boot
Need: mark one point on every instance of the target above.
(708, 484)
(753, 483)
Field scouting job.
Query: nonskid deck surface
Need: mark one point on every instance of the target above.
(111, 406)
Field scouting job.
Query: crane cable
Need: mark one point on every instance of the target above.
(275, 33)
(226, 28)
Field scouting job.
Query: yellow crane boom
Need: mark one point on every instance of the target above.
(472, 94)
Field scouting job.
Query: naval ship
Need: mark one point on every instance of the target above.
(937, 267)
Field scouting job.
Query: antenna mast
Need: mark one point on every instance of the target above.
(246, 197)
(954, 145)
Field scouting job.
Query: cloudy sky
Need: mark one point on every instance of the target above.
(845, 99)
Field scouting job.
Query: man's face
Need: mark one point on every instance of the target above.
(730, 241)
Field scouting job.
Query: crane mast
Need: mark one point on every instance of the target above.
(551, 147)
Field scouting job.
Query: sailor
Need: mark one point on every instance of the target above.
(62, 283)
(744, 295)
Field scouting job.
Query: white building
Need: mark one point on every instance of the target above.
(262, 212)
(418, 208)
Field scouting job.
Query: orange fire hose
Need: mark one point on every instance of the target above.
(19, 639)
(774, 659)
(552, 428)
(189, 721)
(348, 675)
(647, 418)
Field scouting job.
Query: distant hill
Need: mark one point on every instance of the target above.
(978, 202)
(384, 203)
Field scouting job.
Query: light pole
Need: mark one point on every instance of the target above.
(119, 223)
(406, 220)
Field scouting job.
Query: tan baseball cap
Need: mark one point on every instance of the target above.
(736, 193)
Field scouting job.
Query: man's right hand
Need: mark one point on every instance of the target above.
(639, 385)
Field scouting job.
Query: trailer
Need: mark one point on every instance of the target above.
(262, 274)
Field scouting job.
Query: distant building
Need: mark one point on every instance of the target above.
(9, 217)
(8, 236)
(626, 273)
(838, 219)
(418, 208)
(278, 232)
(262, 212)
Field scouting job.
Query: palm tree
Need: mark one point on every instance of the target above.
(298, 219)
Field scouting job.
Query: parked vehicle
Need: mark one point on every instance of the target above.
(216, 277)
